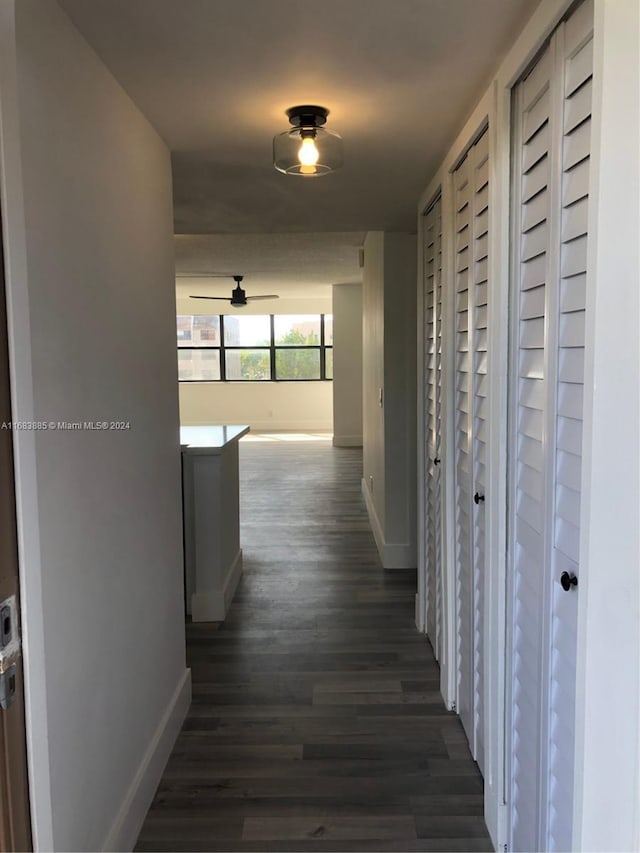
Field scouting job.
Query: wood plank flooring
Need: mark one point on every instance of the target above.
(317, 722)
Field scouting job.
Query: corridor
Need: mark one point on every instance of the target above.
(317, 722)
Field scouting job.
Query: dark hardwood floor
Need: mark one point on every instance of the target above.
(317, 722)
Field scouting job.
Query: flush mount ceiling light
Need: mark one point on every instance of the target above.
(308, 149)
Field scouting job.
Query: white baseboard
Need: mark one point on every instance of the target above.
(419, 616)
(374, 521)
(211, 605)
(291, 426)
(347, 441)
(278, 426)
(233, 578)
(128, 822)
(393, 555)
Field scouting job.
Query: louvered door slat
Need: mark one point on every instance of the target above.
(530, 453)
(574, 220)
(576, 183)
(482, 198)
(569, 436)
(535, 85)
(568, 469)
(538, 145)
(536, 179)
(533, 273)
(577, 145)
(482, 251)
(579, 68)
(570, 396)
(532, 333)
(572, 292)
(578, 108)
(574, 257)
(537, 115)
(536, 212)
(531, 363)
(532, 303)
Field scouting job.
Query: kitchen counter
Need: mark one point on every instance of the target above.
(211, 518)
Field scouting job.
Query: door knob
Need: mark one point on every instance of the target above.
(567, 581)
(478, 497)
(436, 460)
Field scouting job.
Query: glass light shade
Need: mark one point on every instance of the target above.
(293, 153)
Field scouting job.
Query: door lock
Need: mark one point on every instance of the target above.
(6, 625)
(8, 687)
(478, 498)
(9, 651)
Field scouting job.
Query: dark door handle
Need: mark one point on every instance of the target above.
(567, 581)
(478, 497)
(436, 460)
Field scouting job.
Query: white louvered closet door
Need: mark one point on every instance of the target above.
(552, 110)
(432, 420)
(462, 445)
(577, 65)
(471, 182)
(479, 299)
(532, 159)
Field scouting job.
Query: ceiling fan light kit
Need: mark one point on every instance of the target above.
(308, 149)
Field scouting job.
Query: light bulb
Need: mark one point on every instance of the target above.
(308, 156)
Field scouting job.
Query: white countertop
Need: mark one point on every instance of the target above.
(210, 439)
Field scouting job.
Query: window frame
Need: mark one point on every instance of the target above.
(272, 348)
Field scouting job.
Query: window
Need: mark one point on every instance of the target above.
(329, 362)
(198, 365)
(298, 363)
(255, 348)
(184, 330)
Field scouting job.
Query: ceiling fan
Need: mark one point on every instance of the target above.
(238, 295)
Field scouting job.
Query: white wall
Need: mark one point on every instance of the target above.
(347, 365)
(373, 433)
(272, 406)
(266, 406)
(87, 210)
(399, 402)
(389, 394)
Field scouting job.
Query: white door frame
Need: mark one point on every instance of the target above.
(32, 614)
(607, 776)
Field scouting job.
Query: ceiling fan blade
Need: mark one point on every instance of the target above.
(206, 275)
(272, 296)
(223, 298)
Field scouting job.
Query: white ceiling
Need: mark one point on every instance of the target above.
(291, 265)
(215, 77)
